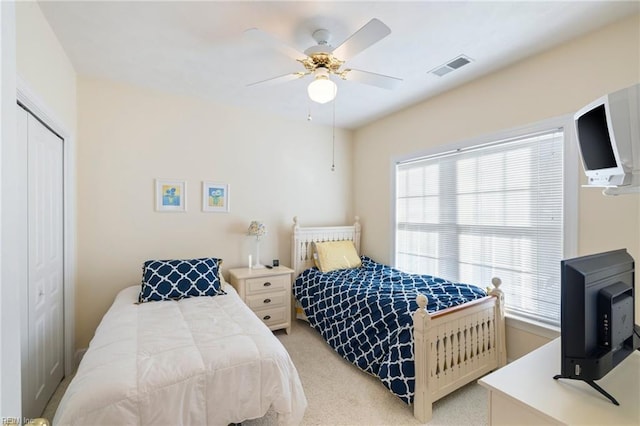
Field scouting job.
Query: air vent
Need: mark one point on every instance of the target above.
(452, 65)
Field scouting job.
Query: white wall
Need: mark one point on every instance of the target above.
(129, 136)
(551, 84)
(10, 387)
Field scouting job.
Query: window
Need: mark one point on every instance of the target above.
(495, 209)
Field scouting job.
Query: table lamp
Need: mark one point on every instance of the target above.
(257, 229)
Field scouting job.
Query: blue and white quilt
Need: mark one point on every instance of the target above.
(365, 314)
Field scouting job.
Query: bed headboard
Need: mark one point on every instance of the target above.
(303, 237)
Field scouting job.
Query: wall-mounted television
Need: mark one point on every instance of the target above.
(608, 134)
(597, 322)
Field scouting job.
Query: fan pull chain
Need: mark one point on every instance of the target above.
(333, 141)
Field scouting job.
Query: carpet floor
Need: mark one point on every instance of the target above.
(340, 394)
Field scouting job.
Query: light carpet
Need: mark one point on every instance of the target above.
(340, 394)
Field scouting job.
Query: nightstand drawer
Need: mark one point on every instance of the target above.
(262, 284)
(274, 299)
(272, 316)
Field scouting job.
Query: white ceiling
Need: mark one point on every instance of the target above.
(199, 48)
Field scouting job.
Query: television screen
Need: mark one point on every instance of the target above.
(595, 142)
(608, 134)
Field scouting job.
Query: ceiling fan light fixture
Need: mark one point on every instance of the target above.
(322, 89)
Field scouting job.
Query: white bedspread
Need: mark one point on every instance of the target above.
(199, 361)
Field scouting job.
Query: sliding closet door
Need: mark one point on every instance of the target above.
(45, 263)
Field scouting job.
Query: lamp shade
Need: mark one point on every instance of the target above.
(322, 89)
(257, 229)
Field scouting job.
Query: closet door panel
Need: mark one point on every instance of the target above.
(46, 263)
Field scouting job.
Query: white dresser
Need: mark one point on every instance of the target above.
(525, 393)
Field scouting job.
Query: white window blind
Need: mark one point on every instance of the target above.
(491, 210)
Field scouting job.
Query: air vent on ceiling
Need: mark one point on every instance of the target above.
(452, 65)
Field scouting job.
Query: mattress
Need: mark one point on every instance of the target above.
(196, 361)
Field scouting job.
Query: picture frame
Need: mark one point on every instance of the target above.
(215, 197)
(171, 195)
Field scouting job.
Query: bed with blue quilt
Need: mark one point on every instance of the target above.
(421, 335)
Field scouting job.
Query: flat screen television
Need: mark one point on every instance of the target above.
(597, 322)
(608, 135)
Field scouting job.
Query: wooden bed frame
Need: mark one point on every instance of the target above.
(452, 347)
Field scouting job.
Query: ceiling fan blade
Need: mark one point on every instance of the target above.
(279, 79)
(271, 41)
(372, 32)
(373, 79)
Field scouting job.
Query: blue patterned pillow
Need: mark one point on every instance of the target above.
(178, 279)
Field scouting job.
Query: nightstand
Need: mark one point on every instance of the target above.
(267, 292)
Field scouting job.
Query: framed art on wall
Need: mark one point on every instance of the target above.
(215, 197)
(171, 195)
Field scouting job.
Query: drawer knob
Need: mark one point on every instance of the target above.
(267, 284)
(267, 300)
(266, 317)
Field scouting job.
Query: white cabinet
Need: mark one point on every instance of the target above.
(525, 393)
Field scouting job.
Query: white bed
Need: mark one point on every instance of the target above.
(197, 361)
(451, 347)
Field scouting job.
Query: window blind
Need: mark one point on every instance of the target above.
(491, 210)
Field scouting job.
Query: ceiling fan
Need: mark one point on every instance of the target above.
(323, 60)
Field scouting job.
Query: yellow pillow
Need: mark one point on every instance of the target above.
(332, 255)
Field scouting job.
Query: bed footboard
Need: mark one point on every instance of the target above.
(455, 346)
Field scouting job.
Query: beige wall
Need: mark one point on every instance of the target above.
(554, 83)
(129, 136)
(44, 66)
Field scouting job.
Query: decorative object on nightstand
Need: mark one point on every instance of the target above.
(257, 229)
(267, 292)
